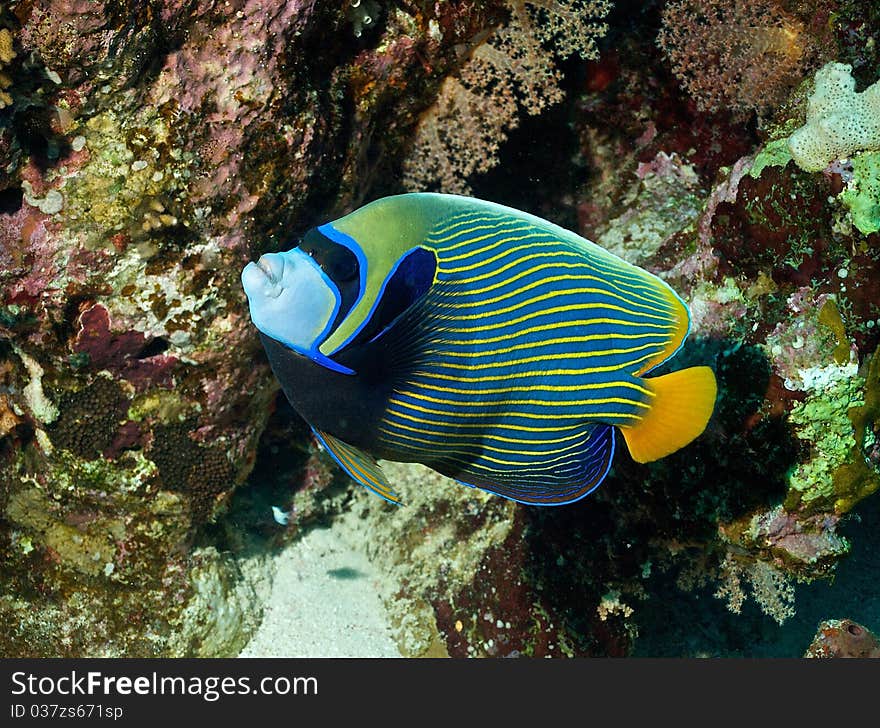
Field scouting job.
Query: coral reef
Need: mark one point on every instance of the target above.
(508, 71)
(739, 55)
(782, 289)
(843, 638)
(7, 53)
(149, 150)
(466, 575)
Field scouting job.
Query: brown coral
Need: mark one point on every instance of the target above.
(90, 418)
(461, 133)
(743, 55)
(7, 53)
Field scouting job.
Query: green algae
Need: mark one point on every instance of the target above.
(823, 421)
(838, 422)
(774, 154)
(90, 552)
(129, 165)
(94, 563)
(858, 478)
(165, 405)
(862, 194)
(656, 207)
(68, 474)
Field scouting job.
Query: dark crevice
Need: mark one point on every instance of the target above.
(157, 346)
(10, 200)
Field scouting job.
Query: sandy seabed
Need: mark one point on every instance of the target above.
(324, 601)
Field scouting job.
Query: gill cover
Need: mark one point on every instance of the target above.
(380, 234)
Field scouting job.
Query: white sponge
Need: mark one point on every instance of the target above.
(839, 120)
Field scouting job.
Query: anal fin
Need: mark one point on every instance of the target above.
(551, 482)
(361, 466)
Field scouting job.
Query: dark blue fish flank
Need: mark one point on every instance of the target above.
(492, 346)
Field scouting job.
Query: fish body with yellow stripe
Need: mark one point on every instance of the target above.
(489, 344)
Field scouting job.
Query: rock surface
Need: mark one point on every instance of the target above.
(148, 151)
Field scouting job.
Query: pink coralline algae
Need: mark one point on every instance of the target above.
(811, 540)
(783, 305)
(125, 353)
(24, 250)
(227, 75)
(153, 149)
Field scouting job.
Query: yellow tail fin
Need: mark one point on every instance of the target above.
(681, 408)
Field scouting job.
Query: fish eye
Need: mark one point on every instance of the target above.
(336, 261)
(343, 269)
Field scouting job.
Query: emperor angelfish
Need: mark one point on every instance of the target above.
(491, 345)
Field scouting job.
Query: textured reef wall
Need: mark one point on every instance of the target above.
(148, 150)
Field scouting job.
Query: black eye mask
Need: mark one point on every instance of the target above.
(339, 264)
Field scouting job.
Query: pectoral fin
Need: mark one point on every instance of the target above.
(361, 466)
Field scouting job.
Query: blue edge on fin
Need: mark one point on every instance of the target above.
(590, 487)
(595, 483)
(354, 476)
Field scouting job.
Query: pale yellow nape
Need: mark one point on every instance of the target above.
(385, 230)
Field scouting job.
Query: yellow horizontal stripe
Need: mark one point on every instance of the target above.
(504, 402)
(495, 231)
(559, 340)
(455, 449)
(552, 310)
(459, 305)
(532, 359)
(552, 242)
(535, 388)
(467, 218)
(531, 234)
(512, 377)
(467, 466)
(555, 295)
(655, 291)
(550, 266)
(559, 253)
(520, 473)
(577, 434)
(554, 326)
(496, 243)
(481, 425)
(534, 450)
(394, 403)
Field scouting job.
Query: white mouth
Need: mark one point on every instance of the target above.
(263, 267)
(263, 277)
(272, 266)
